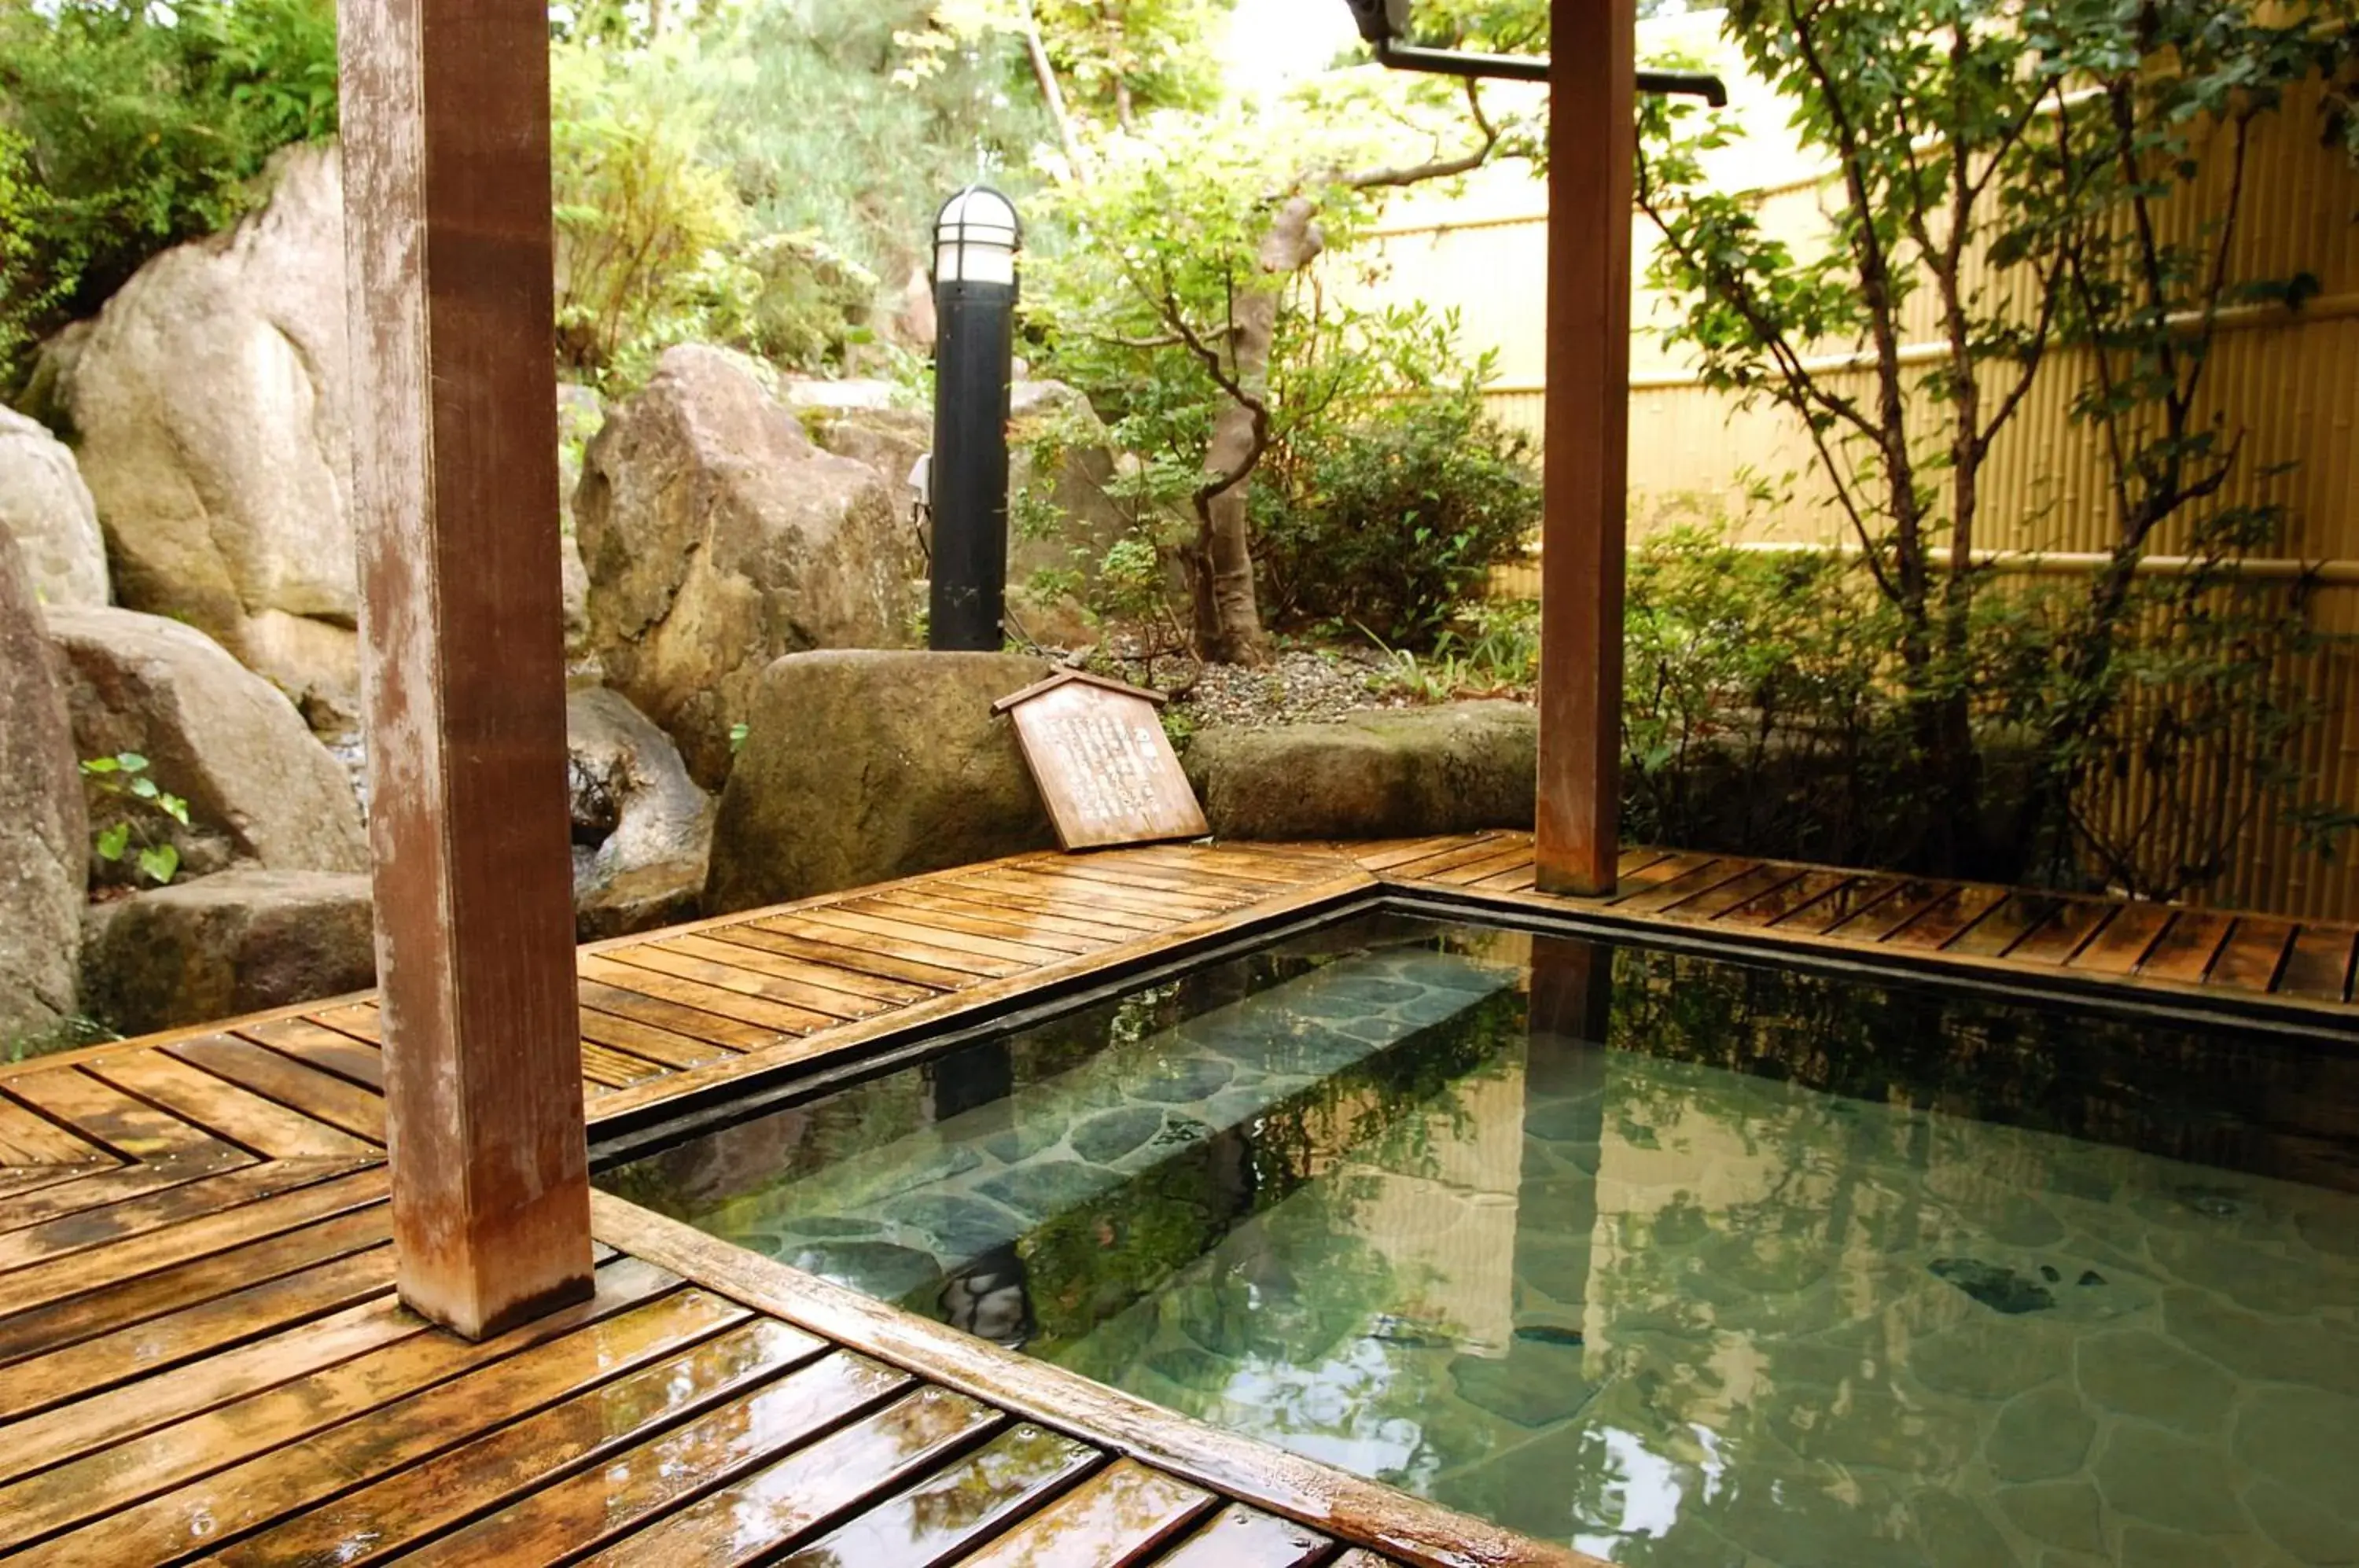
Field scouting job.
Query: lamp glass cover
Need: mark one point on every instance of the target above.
(975, 238)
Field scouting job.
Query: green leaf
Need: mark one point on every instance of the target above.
(174, 806)
(100, 765)
(112, 842)
(131, 761)
(143, 788)
(158, 862)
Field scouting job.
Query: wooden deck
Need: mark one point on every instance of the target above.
(201, 1359)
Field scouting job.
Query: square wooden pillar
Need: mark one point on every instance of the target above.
(1591, 147)
(448, 252)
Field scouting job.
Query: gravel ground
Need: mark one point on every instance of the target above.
(1299, 686)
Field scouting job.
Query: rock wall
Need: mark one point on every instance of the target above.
(207, 405)
(259, 787)
(1402, 773)
(44, 835)
(863, 767)
(717, 538)
(47, 508)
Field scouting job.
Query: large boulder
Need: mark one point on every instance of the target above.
(219, 946)
(642, 829)
(43, 836)
(579, 415)
(1399, 773)
(47, 508)
(259, 786)
(208, 407)
(718, 538)
(863, 767)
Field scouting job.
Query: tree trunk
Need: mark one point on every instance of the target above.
(1228, 614)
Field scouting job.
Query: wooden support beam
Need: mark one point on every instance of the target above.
(447, 263)
(1591, 149)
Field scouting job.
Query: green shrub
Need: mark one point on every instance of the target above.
(644, 224)
(1393, 522)
(140, 126)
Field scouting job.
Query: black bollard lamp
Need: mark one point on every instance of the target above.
(976, 236)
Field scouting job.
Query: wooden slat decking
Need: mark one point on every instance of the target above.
(201, 1358)
(2149, 946)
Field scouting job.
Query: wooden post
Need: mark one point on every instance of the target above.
(447, 266)
(1591, 144)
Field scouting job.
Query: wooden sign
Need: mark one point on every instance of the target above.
(1104, 764)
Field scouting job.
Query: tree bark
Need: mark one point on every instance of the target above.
(1228, 614)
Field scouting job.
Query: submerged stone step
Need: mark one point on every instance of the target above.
(891, 1219)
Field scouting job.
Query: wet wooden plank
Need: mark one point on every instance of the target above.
(261, 1125)
(956, 1507)
(745, 1520)
(27, 1138)
(490, 1471)
(16, 1180)
(318, 1192)
(1272, 869)
(851, 932)
(336, 1052)
(1099, 933)
(1880, 918)
(206, 1479)
(1667, 897)
(1713, 904)
(616, 1069)
(1491, 864)
(187, 1284)
(1947, 917)
(2064, 933)
(939, 915)
(1236, 1466)
(107, 1115)
(1847, 899)
(1654, 875)
(2184, 952)
(1768, 908)
(118, 1225)
(662, 1013)
(976, 892)
(104, 1421)
(641, 1484)
(838, 952)
(1240, 1537)
(93, 1365)
(2123, 940)
(1084, 893)
(1173, 889)
(759, 1012)
(1521, 877)
(1388, 857)
(1121, 1515)
(318, 1094)
(2253, 953)
(648, 1043)
(358, 1018)
(101, 1420)
(118, 1183)
(849, 917)
(853, 982)
(1441, 868)
(2008, 922)
(2319, 966)
(819, 1001)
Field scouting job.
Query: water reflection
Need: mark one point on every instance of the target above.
(1684, 1262)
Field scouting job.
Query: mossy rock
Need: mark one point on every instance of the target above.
(1457, 768)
